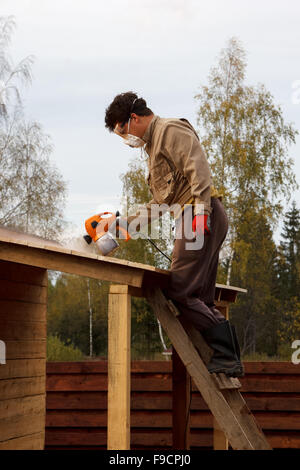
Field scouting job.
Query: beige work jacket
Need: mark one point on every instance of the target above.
(178, 168)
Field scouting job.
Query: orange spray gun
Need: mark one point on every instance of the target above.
(103, 229)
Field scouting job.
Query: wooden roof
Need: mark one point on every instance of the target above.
(32, 250)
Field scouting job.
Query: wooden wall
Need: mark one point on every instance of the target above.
(23, 297)
(77, 399)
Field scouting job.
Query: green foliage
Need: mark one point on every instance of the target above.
(69, 312)
(288, 278)
(145, 340)
(59, 351)
(246, 139)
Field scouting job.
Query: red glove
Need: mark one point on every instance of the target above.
(201, 224)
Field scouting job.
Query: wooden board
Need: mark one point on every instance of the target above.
(15, 388)
(95, 438)
(18, 311)
(30, 442)
(35, 251)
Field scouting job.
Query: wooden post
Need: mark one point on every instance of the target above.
(181, 403)
(220, 441)
(118, 403)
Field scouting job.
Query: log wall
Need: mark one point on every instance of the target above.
(23, 298)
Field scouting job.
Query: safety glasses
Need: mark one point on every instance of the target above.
(120, 130)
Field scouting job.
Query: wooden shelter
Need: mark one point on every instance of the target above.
(24, 261)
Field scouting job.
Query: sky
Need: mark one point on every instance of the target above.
(88, 52)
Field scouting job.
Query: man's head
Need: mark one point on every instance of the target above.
(128, 107)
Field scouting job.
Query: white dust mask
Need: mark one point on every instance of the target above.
(133, 140)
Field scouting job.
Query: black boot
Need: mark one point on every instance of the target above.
(226, 356)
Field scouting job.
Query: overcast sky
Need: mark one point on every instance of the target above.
(88, 51)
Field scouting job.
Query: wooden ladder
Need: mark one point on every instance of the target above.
(220, 393)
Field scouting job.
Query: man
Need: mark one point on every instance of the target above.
(179, 176)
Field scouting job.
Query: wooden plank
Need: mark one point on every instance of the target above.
(78, 367)
(98, 400)
(162, 382)
(278, 420)
(14, 388)
(96, 367)
(76, 401)
(22, 406)
(10, 290)
(22, 311)
(272, 402)
(72, 264)
(284, 367)
(22, 331)
(119, 346)
(75, 437)
(272, 383)
(228, 421)
(224, 287)
(160, 419)
(22, 273)
(20, 368)
(226, 383)
(29, 349)
(77, 382)
(22, 425)
(24, 239)
(139, 419)
(75, 418)
(180, 404)
(66, 438)
(220, 441)
(163, 401)
(147, 366)
(113, 270)
(284, 440)
(148, 439)
(30, 442)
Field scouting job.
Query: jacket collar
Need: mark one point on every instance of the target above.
(149, 131)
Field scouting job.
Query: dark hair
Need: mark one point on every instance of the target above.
(121, 108)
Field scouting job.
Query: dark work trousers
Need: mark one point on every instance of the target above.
(193, 272)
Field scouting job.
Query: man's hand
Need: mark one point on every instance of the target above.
(201, 224)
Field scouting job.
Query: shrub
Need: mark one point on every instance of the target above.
(58, 351)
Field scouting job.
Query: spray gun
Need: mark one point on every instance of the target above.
(104, 228)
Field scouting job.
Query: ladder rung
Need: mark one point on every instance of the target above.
(226, 383)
